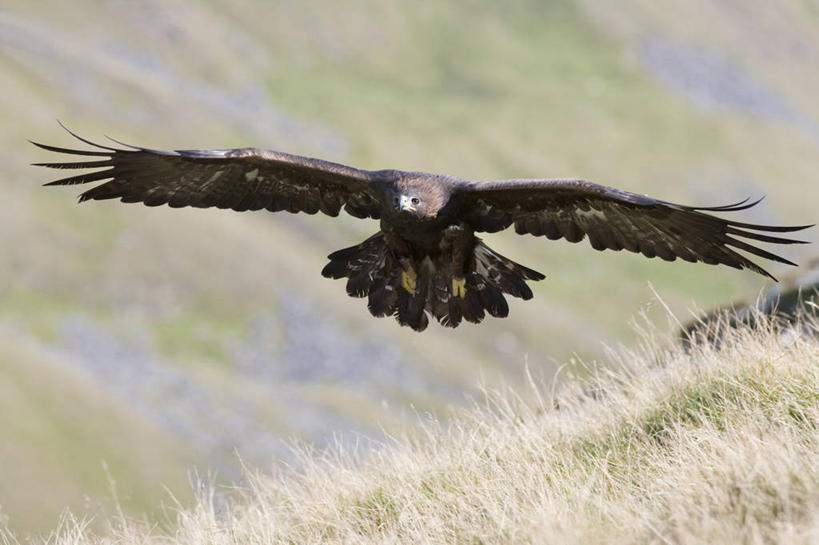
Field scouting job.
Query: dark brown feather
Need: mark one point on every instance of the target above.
(615, 219)
(238, 179)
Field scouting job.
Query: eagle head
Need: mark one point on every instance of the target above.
(421, 198)
(409, 204)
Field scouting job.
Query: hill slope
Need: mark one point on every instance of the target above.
(706, 447)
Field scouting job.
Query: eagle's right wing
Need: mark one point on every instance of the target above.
(615, 219)
(239, 179)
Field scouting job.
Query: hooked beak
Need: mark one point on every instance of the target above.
(405, 204)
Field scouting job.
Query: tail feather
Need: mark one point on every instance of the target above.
(383, 298)
(515, 286)
(410, 308)
(372, 272)
(471, 307)
(359, 283)
(490, 259)
(508, 276)
(454, 314)
(362, 265)
(438, 301)
(492, 299)
(335, 269)
(450, 310)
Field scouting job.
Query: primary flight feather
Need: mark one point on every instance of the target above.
(426, 259)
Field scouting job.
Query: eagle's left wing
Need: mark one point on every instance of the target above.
(239, 179)
(616, 220)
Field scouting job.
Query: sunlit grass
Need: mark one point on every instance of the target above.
(710, 445)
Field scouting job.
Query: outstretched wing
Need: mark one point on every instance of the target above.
(239, 179)
(617, 220)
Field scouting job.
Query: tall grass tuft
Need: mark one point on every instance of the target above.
(666, 444)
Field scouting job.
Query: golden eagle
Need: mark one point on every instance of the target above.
(426, 258)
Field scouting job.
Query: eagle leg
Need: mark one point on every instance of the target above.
(401, 251)
(458, 242)
(408, 276)
(459, 286)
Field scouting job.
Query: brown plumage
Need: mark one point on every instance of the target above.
(426, 259)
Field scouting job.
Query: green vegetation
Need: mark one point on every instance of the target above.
(64, 440)
(192, 338)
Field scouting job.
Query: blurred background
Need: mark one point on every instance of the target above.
(138, 345)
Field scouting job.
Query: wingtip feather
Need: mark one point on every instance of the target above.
(81, 139)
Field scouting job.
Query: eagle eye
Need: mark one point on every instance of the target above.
(415, 201)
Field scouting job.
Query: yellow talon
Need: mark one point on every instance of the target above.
(408, 278)
(459, 287)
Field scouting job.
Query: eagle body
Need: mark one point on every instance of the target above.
(426, 259)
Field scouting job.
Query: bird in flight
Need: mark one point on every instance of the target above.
(426, 259)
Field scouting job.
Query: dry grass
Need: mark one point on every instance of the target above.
(711, 446)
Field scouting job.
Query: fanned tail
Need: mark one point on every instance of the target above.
(363, 265)
(488, 277)
(373, 272)
(505, 274)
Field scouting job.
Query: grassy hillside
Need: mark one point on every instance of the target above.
(211, 332)
(668, 447)
(65, 438)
